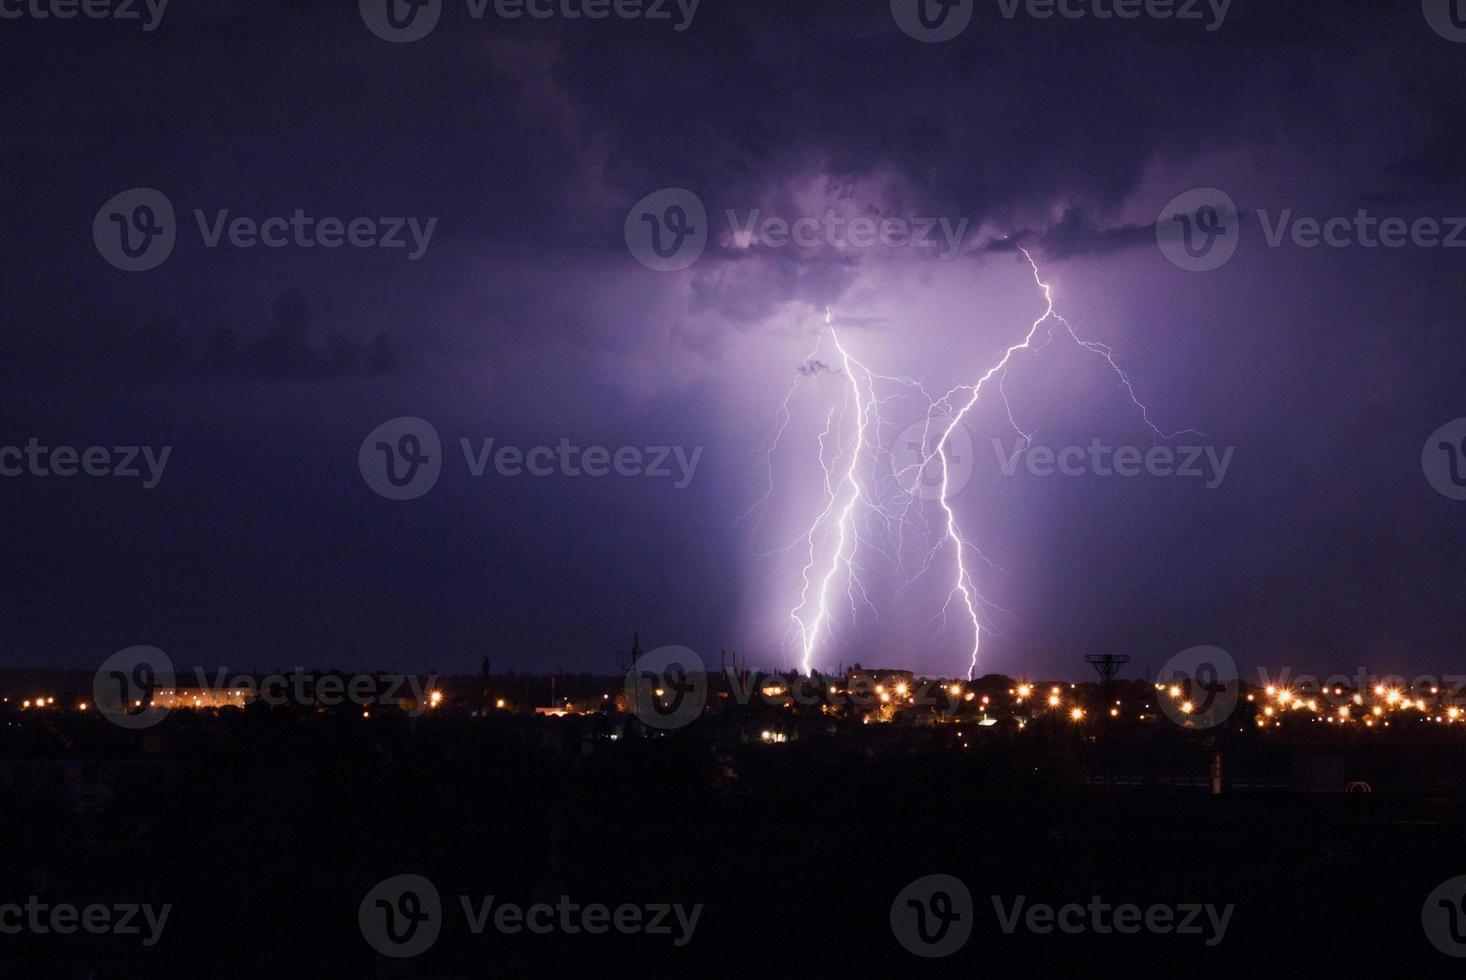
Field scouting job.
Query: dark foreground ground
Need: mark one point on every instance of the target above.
(265, 832)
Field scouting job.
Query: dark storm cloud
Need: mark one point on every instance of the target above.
(530, 141)
(814, 366)
(165, 348)
(1000, 125)
(531, 135)
(1077, 235)
(1434, 164)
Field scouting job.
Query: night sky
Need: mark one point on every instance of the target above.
(527, 318)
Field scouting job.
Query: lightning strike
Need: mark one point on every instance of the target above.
(849, 487)
(852, 496)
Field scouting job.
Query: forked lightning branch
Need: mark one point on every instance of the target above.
(871, 499)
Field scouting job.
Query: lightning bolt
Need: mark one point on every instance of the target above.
(849, 489)
(963, 583)
(854, 501)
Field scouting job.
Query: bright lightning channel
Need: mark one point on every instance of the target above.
(844, 492)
